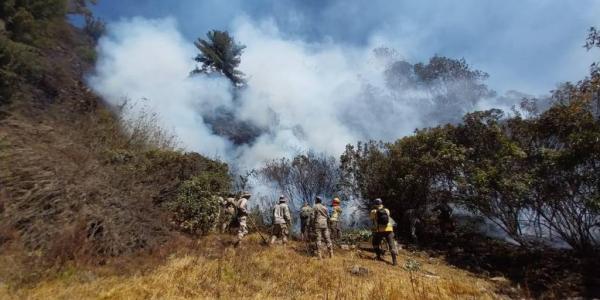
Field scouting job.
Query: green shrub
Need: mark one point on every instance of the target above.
(22, 25)
(355, 236)
(23, 18)
(196, 207)
(18, 62)
(88, 54)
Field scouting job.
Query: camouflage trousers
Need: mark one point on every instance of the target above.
(226, 222)
(305, 229)
(320, 234)
(243, 228)
(336, 231)
(279, 231)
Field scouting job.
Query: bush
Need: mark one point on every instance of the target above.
(23, 18)
(534, 178)
(18, 62)
(143, 128)
(355, 236)
(196, 207)
(88, 54)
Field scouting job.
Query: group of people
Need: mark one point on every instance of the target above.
(317, 223)
(234, 213)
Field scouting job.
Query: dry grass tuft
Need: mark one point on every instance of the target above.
(257, 272)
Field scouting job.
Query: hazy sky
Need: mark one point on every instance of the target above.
(524, 45)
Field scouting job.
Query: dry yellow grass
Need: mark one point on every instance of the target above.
(257, 272)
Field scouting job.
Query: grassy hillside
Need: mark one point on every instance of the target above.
(78, 181)
(205, 270)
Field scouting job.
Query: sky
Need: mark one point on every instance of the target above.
(528, 45)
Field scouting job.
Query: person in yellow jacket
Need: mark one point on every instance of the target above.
(383, 229)
(334, 220)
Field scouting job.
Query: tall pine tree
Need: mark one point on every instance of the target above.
(220, 53)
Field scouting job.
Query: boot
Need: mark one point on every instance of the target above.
(378, 253)
(330, 253)
(394, 259)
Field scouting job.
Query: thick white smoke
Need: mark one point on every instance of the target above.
(149, 61)
(304, 96)
(309, 96)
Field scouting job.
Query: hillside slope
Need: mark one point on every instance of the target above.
(213, 270)
(77, 180)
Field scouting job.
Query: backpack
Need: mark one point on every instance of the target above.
(383, 219)
(305, 213)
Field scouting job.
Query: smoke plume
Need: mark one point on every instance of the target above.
(303, 96)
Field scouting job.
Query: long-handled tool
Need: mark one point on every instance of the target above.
(258, 231)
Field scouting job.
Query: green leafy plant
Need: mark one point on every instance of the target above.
(196, 207)
(355, 236)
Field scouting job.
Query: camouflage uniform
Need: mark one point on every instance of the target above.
(281, 217)
(305, 215)
(311, 234)
(242, 215)
(228, 213)
(320, 217)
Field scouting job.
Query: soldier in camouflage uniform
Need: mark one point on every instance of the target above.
(227, 213)
(305, 215)
(242, 216)
(281, 218)
(320, 218)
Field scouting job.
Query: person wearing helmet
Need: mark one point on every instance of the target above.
(383, 230)
(334, 220)
(281, 218)
(320, 218)
(242, 216)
